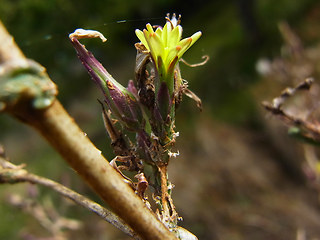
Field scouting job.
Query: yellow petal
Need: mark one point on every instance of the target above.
(175, 36)
(149, 28)
(183, 46)
(195, 37)
(173, 52)
(142, 39)
(186, 43)
(159, 32)
(155, 45)
(165, 33)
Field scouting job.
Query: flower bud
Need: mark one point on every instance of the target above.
(121, 101)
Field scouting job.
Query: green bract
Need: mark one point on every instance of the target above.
(166, 47)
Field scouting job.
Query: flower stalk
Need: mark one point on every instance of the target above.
(165, 48)
(147, 107)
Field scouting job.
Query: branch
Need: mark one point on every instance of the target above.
(55, 124)
(10, 173)
(309, 131)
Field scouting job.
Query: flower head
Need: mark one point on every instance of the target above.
(166, 47)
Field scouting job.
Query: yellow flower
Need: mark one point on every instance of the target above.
(165, 46)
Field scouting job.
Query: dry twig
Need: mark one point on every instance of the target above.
(309, 129)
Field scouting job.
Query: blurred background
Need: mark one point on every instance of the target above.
(239, 175)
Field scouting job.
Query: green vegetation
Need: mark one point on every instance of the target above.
(236, 34)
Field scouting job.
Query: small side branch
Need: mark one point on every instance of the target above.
(10, 173)
(309, 130)
(289, 92)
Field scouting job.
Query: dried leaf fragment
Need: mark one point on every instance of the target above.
(83, 33)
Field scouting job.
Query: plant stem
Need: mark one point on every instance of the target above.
(164, 192)
(55, 124)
